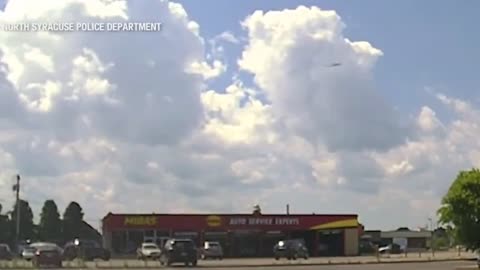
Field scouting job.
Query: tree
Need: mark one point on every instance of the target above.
(26, 220)
(440, 243)
(461, 208)
(452, 236)
(5, 228)
(72, 221)
(257, 210)
(50, 227)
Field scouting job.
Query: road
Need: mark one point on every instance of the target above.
(250, 262)
(412, 261)
(400, 266)
(459, 265)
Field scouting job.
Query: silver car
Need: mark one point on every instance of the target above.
(211, 250)
(28, 253)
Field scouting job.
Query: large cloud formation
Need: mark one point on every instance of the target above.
(290, 54)
(127, 122)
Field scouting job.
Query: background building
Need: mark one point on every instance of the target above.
(411, 240)
(415, 240)
(239, 234)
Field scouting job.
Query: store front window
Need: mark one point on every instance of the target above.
(269, 240)
(161, 237)
(149, 236)
(188, 235)
(331, 243)
(119, 242)
(135, 239)
(246, 243)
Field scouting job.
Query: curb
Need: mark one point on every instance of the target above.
(331, 263)
(265, 265)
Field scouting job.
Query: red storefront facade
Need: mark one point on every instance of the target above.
(239, 234)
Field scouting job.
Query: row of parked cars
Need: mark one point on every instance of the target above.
(185, 251)
(50, 254)
(179, 251)
(173, 251)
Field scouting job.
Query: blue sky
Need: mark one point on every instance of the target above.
(425, 43)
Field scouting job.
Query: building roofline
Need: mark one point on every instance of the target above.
(229, 215)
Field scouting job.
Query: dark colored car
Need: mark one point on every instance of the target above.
(179, 251)
(290, 249)
(47, 255)
(86, 249)
(5, 252)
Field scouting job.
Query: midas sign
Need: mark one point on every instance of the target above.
(140, 221)
(214, 221)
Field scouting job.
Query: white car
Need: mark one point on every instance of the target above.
(478, 258)
(211, 250)
(391, 249)
(148, 251)
(28, 253)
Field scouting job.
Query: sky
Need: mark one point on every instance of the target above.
(237, 103)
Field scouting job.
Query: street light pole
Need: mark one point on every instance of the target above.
(17, 204)
(432, 237)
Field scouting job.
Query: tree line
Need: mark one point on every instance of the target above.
(460, 209)
(51, 227)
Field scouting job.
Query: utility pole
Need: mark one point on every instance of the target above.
(432, 237)
(16, 188)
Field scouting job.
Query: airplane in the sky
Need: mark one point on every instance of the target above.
(335, 64)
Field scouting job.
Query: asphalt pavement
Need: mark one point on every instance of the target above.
(269, 262)
(402, 266)
(459, 265)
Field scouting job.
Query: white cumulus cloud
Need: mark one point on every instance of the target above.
(129, 122)
(290, 54)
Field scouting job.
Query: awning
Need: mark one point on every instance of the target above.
(348, 223)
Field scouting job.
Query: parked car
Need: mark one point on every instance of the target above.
(390, 249)
(148, 251)
(291, 249)
(88, 250)
(211, 250)
(47, 254)
(28, 253)
(37, 245)
(5, 252)
(21, 246)
(179, 251)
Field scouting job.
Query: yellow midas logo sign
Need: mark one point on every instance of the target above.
(214, 221)
(139, 221)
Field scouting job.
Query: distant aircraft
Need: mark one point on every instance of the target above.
(335, 64)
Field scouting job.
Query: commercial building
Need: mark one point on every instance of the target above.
(239, 234)
(411, 240)
(408, 239)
